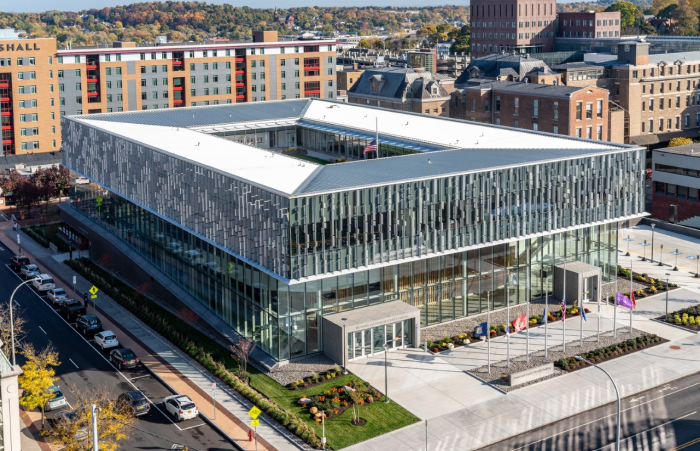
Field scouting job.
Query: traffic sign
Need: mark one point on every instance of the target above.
(254, 412)
(93, 290)
(255, 423)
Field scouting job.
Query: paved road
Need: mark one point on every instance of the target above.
(84, 365)
(665, 418)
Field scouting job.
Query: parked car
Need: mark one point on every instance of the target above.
(29, 271)
(17, 261)
(136, 402)
(57, 401)
(181, 407)
(68, 417)
(106, 339)
(88, 324)
(44, 282)
(192, 257)
(82, 181)
(72, 309)
(124, 358)
(57, 295)
(173, 247)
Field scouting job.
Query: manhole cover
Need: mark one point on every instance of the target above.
(675, 347)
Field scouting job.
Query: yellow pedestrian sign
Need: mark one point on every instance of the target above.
(254, 412)
(255, 423)
(94, 291)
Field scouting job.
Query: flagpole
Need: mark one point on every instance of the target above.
(546, 313)
(488, 326)
(508, 314)
(527, 319)
(631, 293)
(615, 307)
(599, 311)
(563, 319)
(376, 137)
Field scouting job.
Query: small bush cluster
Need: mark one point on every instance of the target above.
(171, 329)
(336, 400)
(602, 354)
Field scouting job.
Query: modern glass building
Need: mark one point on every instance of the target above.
(445, 212)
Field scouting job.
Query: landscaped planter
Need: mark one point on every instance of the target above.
(653, 286)
(688, 318)
(335, 401)
(611, 352)
(316, 379)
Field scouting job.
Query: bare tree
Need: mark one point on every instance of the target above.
(19, 327)
(241, 353)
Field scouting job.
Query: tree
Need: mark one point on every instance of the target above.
(357, 399)
(5, 331)
(628, 12)
(27, 194)
(115, 421)
(680, 141)
(37, 377)
(241, 354)
(687, 19)
(363, 44)
(461, 45)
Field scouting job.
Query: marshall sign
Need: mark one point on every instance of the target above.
(18, 47)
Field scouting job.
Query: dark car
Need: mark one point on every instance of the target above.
(72, 309)
(136, 402)
(124, 358)
(18, 261)
(88, 324)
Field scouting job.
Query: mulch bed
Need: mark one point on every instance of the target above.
(687, 318)
(338, 399)
(611, 352)
(308, 382)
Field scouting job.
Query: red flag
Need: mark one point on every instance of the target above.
(520, 323)
(634, 302)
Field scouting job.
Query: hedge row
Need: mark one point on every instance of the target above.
(170, 328)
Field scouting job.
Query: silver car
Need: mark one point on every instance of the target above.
(29, 271)
(57, 295)
(57, 401)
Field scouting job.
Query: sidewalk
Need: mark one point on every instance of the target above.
(166, 361)
(464, 413)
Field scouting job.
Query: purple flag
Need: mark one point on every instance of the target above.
(624, 301)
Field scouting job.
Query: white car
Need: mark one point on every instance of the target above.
(82, 181)
(57, 295)
(29, 271)
(44, 282)
(181, 407)
(106, 339)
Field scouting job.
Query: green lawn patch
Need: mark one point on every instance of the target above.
(278, 401)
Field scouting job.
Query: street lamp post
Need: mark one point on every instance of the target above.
(644, 250)
(697, 266)
(675, 267)
(345, 348)
(617, 393)
(653, 226)
(667, 277)
(628, 246)
(12, 321)
(386, 374)
(661, 255)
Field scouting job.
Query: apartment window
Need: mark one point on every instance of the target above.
(678, 122)
(497, 106)
(651, 125)
(599, 108)
(119, 70)
(119, 84)
(635, 74)
(578, 132)
(205, 66)
(535, 108)
(193, 92)
(296, 73)
(516, 106)
(154, 82)
(108, 84)
(589, 110)
(154, 69)
(474, 106)
(154, 95)
(109, 97)
(535, 126)
(651, 104)
(192, 79)
(143, 96)
(555, 129)
(253, 63)
(143, 82)
(589, 131)
(191, 66)
(686, 121)
(120, 97)
(215, 78)
(599, 132)
(206, 91)
(487, 107)
(143, 69)
(206, 79)
(165, 82)
(661, 124)
(687, 100)
(143, 57)
(579, 108)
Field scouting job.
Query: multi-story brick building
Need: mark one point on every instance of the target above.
(676, 180)
(524, 26)
(39, 83)
(573, 111)
(589, 24)
(404, 89)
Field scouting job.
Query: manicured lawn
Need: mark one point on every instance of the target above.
(301, 156)
(381, 418)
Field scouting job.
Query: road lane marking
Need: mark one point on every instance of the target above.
(17, 303)
(139, 377)
(637, 399)
(650, 429)
(685, 445)
(71, 361)
(43, 330)
(192, 427)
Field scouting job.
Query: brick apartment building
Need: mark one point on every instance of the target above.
(404, 89)
(676, 183)
(589, 24)
(39, 83)
(523, 26)
(564, 110)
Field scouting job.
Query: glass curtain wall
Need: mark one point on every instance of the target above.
(285, 320)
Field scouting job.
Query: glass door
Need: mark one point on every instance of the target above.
(379, 338)
(367, 342)
(357, 345)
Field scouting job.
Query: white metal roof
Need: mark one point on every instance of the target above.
(259, 166)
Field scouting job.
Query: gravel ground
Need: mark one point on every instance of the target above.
(299, 369)
(555, 353)
(623, 286)
(439, 331)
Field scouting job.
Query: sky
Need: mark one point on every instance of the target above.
(76, 5)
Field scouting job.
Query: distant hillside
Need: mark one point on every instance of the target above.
(199, 20)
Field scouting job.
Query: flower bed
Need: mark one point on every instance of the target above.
(610, 352)
(336, 400)
(316, 379)
(653, 286)
(467, 338)
(688, 318)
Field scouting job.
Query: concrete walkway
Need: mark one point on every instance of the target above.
(166, 361)
(465, 414)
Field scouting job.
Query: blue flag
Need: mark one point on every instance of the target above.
(583, 313)
(480, 330)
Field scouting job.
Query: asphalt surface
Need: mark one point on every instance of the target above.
(83, 365)
(665, 418)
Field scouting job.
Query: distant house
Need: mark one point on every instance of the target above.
(663, 25)
(287, 21)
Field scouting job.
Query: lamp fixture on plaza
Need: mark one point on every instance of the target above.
(644, 250)
(653, 226)
(628, 246)
(675, 267)
(617, 393)
(345, 348)
(661, 255)
(667, 277)
(697, 272)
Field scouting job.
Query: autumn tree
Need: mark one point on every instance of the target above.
(680, 141)
(363, 44)
(37, 377)
(115, 421)
(241, 351)
(628, 12)
(5, 331)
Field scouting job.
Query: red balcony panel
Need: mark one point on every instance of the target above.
(239, 60)
(178, 63)
(8, 141)
(176, 102)
(91, 94)
(313, 92)
(91, 66)
(93, 80)
(178, 88)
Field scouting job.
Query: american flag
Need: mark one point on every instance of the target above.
(563, 310)
(371, 147)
